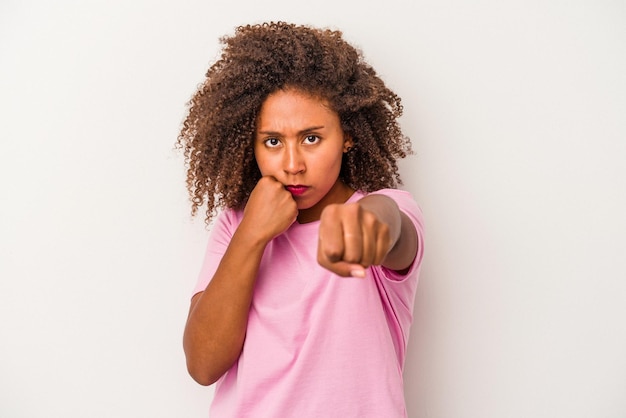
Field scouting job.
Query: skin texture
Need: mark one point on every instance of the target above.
(298, 141)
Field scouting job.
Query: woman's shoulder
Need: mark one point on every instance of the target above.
(403, 198)
(398, 195)
(226, 219)
(391, 192)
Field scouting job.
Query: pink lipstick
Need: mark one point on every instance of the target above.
(297, 190)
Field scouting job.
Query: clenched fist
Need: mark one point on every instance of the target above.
(352, 238)
(270, 209)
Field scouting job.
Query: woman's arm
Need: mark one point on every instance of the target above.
(218, 316)
(216, 326)
(372, 231)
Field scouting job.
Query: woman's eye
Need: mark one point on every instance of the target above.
(311, 139)
(272, 142)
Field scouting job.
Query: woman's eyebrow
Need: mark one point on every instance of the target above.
(302, 132)
(313, 128)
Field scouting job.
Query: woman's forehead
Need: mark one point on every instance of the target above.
(291, 109)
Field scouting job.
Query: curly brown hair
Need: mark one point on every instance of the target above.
(217, 134)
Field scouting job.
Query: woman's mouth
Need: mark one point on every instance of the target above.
(297, 190)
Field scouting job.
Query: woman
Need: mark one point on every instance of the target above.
(304, 302)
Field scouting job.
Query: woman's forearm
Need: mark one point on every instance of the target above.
(401, 230)
(216, 326)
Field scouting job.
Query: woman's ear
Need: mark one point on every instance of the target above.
(348, 143)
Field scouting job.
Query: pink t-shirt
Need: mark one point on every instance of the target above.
(317, 345)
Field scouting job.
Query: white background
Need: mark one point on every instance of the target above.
(516, 110)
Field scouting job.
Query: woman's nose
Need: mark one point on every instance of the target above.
(293, 161)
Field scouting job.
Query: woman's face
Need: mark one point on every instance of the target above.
(299, 142)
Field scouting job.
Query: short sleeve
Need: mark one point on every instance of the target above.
(219, 238)
(397, 291)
